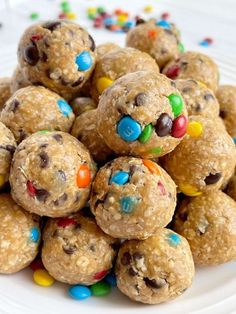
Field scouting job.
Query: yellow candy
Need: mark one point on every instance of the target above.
(122, 18)
(194, 129)
(148, 9)
(92, 10)
(189, 190)
(2, 180)
(103, 83)
(71, 16)
(42, 278)
(202, 84)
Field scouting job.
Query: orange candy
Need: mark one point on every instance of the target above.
(152, 33)
(152, 167)
(83, 176)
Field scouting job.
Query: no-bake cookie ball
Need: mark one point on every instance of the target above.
(35, 108)
(76, 251)
(85, 130)
(131, 198)
(199, 99)
(155, 270)
(231, 188)
(142, 114)
(205, 159)
(5, 92)
(118, 63)
(160, 42)
(18, 80)
(59, 54)
(19, 236)
(103, 49)
(208, 223)
(51, 174)
(226, 95)
(194, 65)
(7, 149)
(82, 104)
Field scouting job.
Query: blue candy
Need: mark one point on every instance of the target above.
(64, 107)
(234, 138)
(79, 292)
(129, 23)
(204, 43)
(163, 24)
(34, 234)
(111, 279)
(127, 204)
(84, 61)
(108, 21)
(120, 178)
(173, 239)
(128, 129)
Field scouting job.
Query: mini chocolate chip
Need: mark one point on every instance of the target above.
(138, 255)
(42, 195)
(44, 159)
(44, 57)
(92, 43)
(184, 65)
(208, 97)
(140, 21)
(126, 258)
(43, 145)
(78, 82)
(61, 200)
(31, 55)
(186, 90)
(152, 283)
(212, 178)
(58, 138)
(52, 25)
(198, 107)
(183, 216)
(10, 148)
(62, 175)
(69, 250)
(92, 248)
(163, 125)
(14, 105)
(172, 83)
(140, 99)
(223, 114)
(132, 272)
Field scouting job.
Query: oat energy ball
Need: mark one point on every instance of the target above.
(51, 174)
(231, 188)
(7, 149)
(5, 92)
(103, 49)
(142, 114)
(155, 270)
(131, 198)
(76, 251)
(35, 108)
(208, 223)
(85, 130)
(204, 160)
(58, 54)
(226, 95)
(19, 236)
(82, 104)
(118, 63)
(194, 65)
(18, 80)
(199, 99)
(160, 42)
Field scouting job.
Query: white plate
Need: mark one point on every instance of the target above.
(214, 289)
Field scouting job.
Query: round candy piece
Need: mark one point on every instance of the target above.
(35, 234)
(100, 289)
(146, 133)
(79, 292)
(64, 107)
(179, 127)
(128, 129)
(194, 129)
(120, 178)
(164, 24)
(42, 278)
(84, 61)
(103, 83)
(176, 103)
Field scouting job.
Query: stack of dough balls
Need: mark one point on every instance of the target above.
(97, 142)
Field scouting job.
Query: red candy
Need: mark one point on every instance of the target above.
(161, 188)
(209, 40)
(31, 189)
(65, 222)
(100, 275)
(62, 16)
(36, 37)
(179, 127)
(165, 16)
(173, 71)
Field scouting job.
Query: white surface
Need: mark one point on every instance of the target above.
(214, 289)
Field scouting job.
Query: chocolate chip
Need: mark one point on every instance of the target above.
(126, 258)
(58, 138)
(92, 43)
(140, 99)
(132, 272)
(163, 125)
(14, 105)
(69, 250)
(152, 283)
(186, 90)
(212, 178)
(44, 57)
(61, 200)
(22, 135)
(10, 148)
(92, 248)
(223, 114)
(208, 97)
(44, 160)
(31, 55)
(78, 82)
(198, 107)
(52, 25)
(42, 195)
(43, 145)
(62, 175)
(140, 21)
(138, 255)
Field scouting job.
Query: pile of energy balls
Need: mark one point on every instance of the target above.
(120, 168)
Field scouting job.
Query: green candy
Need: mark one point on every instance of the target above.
(92, 16)
(43, 132)
(176, 103)
(156, 150)
(34, 16)
(100, 289)
(100, 9)
(65, 7)
(181, 47)
(146, 134)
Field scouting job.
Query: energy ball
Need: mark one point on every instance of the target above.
(85, 130)
(19, 236)
(103, 49)
(231, 188)
(205, 159)
(58, 54)
(5, 92)
(51, 174)
(199, 99)
(76, 251)
(7, 149)
(208, 223)
(35, 108)
(226, 95)
(131, 198)
(194, 65)
(18, 80)
(155, 270)
(82, 104)
(142, 114)
(117, 63)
